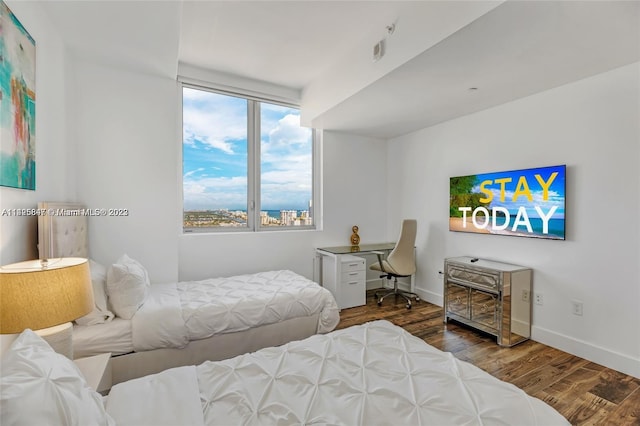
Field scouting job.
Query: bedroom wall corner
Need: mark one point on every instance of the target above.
(54, 176)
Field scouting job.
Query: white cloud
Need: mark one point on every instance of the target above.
(212, 129)
(214, 192)
(213, 119)
(287, 135)
(186, 175)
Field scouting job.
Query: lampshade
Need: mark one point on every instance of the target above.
(38, 294)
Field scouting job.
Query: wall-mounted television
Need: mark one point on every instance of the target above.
(524, 203)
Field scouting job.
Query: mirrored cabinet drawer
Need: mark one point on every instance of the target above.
(458, 299)
(484, 308)
(475, 278)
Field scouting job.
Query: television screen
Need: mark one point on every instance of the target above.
(525, 203)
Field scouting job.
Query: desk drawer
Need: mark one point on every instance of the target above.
(352, 289)
(352, 263)
(353, 276)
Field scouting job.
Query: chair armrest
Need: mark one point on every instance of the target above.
(380, 254)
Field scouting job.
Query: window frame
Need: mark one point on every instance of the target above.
(254, 194)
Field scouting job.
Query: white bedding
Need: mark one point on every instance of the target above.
(114, 337)
(166, 407)
(223, 305)
(376, 373)
(174, 314)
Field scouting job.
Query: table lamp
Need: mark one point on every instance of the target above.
(45, 295)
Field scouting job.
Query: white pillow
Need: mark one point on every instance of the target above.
(127, 286)
(100, 313)
(40, 386)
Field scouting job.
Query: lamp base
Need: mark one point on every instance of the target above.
(59, 337)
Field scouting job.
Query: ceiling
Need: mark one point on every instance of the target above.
(437, 51)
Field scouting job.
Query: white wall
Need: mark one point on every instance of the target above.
(55, 175)
(591, 126)
(354, 181)
(126, 133)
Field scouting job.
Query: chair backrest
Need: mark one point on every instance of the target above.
(402, 257)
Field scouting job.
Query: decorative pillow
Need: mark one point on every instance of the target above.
(100, 313)
(40, 386)
(127, 286)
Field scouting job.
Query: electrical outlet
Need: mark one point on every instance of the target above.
(525, 295)
(576, 307)
(539, 299)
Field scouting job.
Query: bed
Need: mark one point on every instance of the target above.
(150, 328)
(375, 373)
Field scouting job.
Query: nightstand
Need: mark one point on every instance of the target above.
(97, 371)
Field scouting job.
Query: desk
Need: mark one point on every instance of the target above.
(345, 276)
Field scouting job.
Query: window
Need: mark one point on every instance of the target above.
(247, 164)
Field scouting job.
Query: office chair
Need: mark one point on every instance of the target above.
(400, 262)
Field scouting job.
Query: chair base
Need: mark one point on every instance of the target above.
(397, 292)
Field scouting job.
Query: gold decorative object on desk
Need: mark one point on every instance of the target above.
(355, 238)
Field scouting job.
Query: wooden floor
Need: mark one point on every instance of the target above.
(584, 392)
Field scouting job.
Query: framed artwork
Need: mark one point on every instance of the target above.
(523, 203)
(17, 103)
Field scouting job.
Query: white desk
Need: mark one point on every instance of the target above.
(341, 274)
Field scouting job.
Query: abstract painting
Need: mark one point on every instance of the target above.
(17, 103)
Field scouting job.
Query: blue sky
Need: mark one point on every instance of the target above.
(215, 154)
(556, 191)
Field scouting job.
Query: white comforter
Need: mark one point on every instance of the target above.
(365, 375)
(174, 314)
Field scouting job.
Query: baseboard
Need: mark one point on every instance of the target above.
(382, 283)
(430, 296)
(427, 296)
(373, 284)
(588, 351)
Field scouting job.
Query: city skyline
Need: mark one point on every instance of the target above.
(194, 219)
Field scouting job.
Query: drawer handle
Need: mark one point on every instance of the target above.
(353, 282)
(353, 264)
(353, 273)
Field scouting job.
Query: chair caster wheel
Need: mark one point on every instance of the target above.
(408, 305)
(379, 303)
(417, 299)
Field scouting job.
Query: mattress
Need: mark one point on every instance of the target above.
(375, 373)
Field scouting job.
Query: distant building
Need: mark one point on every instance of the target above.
(288, 217)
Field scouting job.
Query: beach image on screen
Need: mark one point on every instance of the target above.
(527, 203)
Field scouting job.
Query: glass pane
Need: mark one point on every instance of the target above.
(214, 153)
(286, 168)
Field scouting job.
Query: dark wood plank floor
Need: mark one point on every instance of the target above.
(584, 392)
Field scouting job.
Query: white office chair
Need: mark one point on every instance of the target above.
(400, 262)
